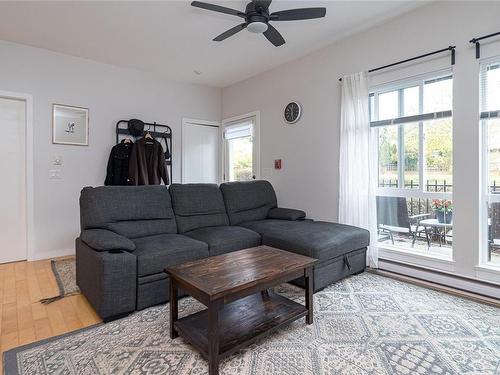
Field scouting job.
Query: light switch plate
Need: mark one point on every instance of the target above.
(57, 160)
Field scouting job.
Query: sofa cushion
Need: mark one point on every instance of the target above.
(225, 239)
(131, 211)
(105, 240)
(155, 253)
(248, 201)
(317, 239)
(286, 214)
(198, 206)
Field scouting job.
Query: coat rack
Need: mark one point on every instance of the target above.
(157, 131)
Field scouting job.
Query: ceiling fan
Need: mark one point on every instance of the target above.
(257, 18)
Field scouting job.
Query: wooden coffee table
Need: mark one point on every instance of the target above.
(240, 309)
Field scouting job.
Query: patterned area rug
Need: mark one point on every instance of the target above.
(366, 324)
(65, 273)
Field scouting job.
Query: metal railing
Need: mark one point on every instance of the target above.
(423, 205)
(434, 186)
(420, 205)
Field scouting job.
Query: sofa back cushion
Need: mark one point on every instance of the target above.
(198, 206)
(248, 201)
(131, 211)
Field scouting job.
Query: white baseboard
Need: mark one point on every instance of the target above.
(440, 278)
(53, 254)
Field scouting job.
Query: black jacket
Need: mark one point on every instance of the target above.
(147, 163)
(118, 164)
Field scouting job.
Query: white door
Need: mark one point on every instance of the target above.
(241, 148)
(13, 239)
(200, 152)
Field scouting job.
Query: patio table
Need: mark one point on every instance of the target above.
(436, 227)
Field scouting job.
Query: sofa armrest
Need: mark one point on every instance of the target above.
(107, 279)
(105, 240)
(286, 214)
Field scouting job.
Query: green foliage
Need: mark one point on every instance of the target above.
(438, 146)
(388, 150)
(241, 159)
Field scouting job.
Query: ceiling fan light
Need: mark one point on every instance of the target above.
(257, 27)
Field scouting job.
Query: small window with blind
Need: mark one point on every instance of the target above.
(490, 123)
(412, 122)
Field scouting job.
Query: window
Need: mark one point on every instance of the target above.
(412, 121)
(490, 123)
(240, 149)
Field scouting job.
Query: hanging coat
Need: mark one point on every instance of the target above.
(118, 164)
(147, 164)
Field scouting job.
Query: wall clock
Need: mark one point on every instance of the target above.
(292, 112)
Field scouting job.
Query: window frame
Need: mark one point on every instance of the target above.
(400, 86)
(400, 253)
(254, 117)
(487, 197)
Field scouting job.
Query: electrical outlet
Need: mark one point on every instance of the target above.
(55, 174)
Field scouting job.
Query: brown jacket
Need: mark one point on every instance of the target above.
(147, 165)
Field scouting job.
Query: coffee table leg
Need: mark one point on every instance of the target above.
(265, 294)
(213, 337)
(309, 294)
(174, 312)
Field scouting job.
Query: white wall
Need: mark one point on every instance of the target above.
(309, 149)
(111, 94)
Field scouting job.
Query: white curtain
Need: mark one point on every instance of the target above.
(357, 202)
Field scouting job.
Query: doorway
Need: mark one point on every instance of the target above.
(241, 147)
(15, 114)
(200, 152)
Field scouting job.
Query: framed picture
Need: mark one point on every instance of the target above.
(70, 125)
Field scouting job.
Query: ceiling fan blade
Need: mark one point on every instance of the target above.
(230, 32)
(274, 36)
(217, 8)
(262, 3)
(298, 14)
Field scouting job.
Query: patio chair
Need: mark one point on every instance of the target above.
(392, 217)
(494, 228)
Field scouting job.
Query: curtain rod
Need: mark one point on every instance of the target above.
(450, 48)
(478, 45)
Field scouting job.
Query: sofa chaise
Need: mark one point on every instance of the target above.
(130, 234)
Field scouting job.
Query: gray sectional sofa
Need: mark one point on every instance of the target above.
(130, 234)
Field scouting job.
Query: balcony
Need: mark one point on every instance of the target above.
(412, 220)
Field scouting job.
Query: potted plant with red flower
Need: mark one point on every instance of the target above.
(443, 208)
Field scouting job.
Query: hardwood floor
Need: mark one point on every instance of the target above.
(23, 319)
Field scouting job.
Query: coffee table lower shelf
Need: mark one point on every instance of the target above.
(241, 322)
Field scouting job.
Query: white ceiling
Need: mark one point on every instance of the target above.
(173, 39)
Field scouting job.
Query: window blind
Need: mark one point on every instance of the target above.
(489, 81)
(239, 130)
(412, 119)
